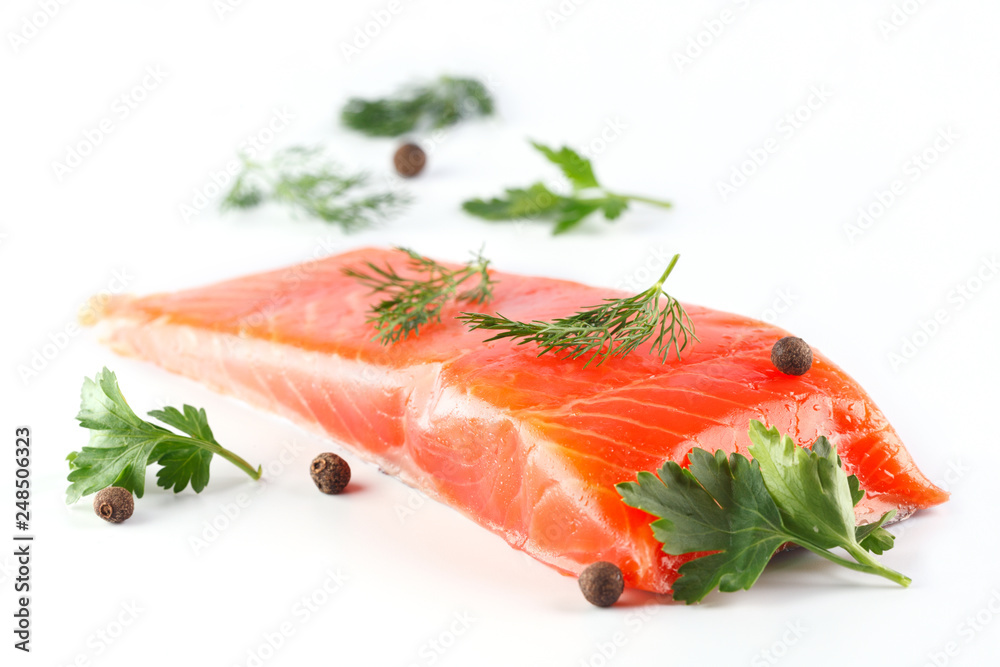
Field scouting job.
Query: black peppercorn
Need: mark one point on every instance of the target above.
(409, 160)
(792, 356)
(602, 583)
(330, 472)
(114, 504)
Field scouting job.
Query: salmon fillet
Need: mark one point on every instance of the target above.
(529, 447)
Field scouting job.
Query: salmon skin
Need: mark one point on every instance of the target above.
(529, 447)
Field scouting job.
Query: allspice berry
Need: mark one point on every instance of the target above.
(409, 160)
(330, 472)
(602, 583)
(792, 356)
(114, 504)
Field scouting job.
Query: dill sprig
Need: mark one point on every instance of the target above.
(305, 179)
(613, 329)
(412, 302)
(538, 202)
(441, 103)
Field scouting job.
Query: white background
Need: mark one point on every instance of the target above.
(780, 238)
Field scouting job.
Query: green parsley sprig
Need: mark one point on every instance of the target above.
(614, 328)
(441, 103)
(538, 202)
(122, 445)
(411, 302)
(743, 510)
(304, 179)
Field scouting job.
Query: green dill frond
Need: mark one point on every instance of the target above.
(614, 328)
(304, 179)
(409, 303)
(434, 105)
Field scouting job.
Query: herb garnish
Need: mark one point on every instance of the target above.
(613, 329)
(745, 510)
(538, 202)
(305, 179)
(411, 302)
(438, 104)
(122, 445)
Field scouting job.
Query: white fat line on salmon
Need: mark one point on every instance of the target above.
(974, 624)
(57, 341)
(784, 130)
(97, 133)
(708, 33)
(302, 610)
(32, 24)
(262, 311)
(230, 511)
(291, 279)
(604, 652)
(958, 298)
(911, 170)
(436, 647)
(900, 15)
(264, 308)
(219, 179)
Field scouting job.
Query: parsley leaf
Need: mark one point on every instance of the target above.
(613, 206)
(808, 486)
(820, 470)
(717, 504)
(574, 166)
(856, 493)
(534, 201)
(743, 511)
(873, 537)
(538, 202)
(184, 463)
(120, 441)
(122, 445)
(181, 465)
(572, 212)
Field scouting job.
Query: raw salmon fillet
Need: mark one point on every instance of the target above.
(529, 447)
